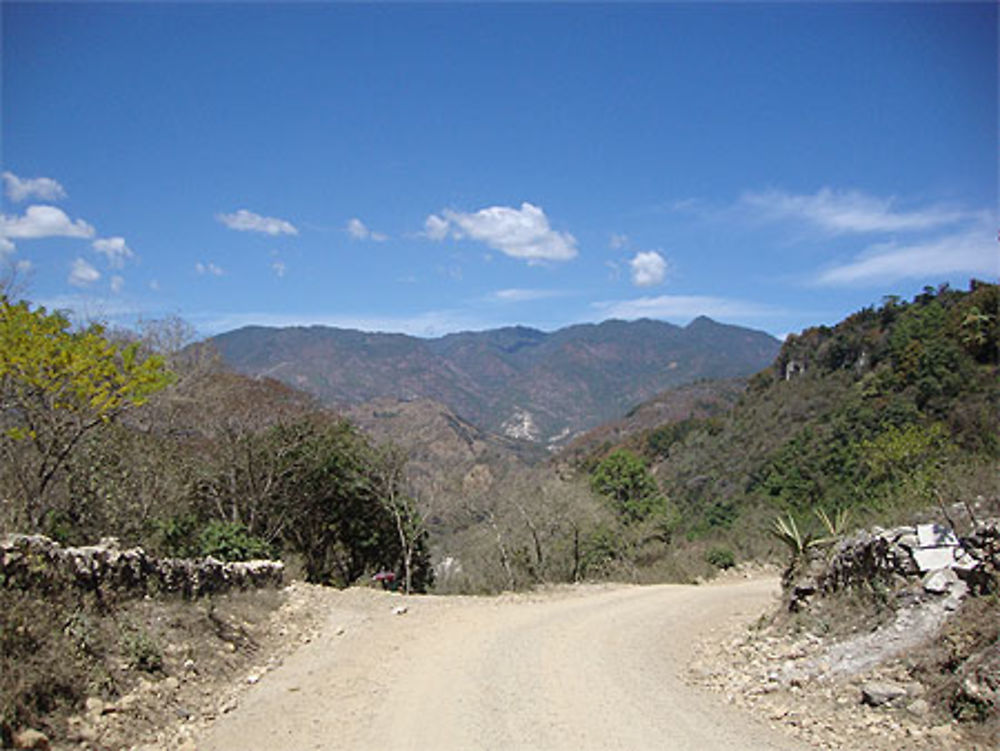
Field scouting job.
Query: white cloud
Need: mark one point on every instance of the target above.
(618, 241)
(850, 211)
(683, 307)
(82, 274)
(279, 268)
(42, 188)
(6, 246)
(357, 229)
(523, 295)
(23, 266)
(971, 252)
(247, 221)
(435, 227)
(687, 204)
(208, 268)
(117, 283)
(520, 233)
(154, 284)
(115, 250)
(43, 221)
(648, 269)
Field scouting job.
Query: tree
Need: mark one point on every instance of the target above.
(331, 493)
(390, 466)
(623, 478)
(245, 429)
(57, 385)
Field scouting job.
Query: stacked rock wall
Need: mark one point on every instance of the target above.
(35, 562)
(931, 552)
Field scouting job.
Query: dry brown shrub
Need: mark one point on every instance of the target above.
(966, 652)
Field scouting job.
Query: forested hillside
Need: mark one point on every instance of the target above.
(135, 435)
(891, 410)
(140, 436)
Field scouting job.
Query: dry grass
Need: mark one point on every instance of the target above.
(968, 647)
(59, 649)
(45, 663)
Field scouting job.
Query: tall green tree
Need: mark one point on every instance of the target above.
(56, 386)
(623, 478)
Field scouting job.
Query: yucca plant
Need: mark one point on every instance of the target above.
(835, 527)
(799, 543)
(787, 530)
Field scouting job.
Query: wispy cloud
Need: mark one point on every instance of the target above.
(359, 231)
(683, 307)
(451, 271)
(848, 211)
(435, 227)
(515, 295)
(85, 307)
(114, 250)
(82, 274)
(209, 269)
(247, 221)
(42, 188)
(117, 284)
(648, 269)
(522, 233)
(426, 324)
(973, 251)
(43, 221)
(279, 268)
(617, 241)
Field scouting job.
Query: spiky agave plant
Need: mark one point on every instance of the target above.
(787, 530)
(799, 544)
(836, 527)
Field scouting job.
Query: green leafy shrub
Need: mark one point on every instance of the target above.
(177, 536)
(624, 479)
(231, 541)
(142, 650)
(721, 558)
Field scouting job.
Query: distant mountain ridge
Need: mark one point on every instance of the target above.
(516, 381)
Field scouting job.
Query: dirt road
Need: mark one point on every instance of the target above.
(579, 668)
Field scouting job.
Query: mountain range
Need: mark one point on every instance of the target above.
(519, 382)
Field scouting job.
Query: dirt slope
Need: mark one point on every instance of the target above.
(577, 668)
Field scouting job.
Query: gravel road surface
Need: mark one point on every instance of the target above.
(590, 667)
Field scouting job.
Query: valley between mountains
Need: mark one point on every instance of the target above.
(885, 423)
(516, 382)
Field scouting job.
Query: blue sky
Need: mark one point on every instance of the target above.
(432, 168)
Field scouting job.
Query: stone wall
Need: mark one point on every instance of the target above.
(35, 562)
(931, 553)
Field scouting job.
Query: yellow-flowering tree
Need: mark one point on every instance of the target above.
(56, 385)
